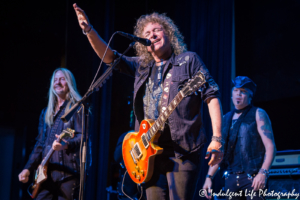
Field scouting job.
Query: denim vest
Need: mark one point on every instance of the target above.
(251, 147)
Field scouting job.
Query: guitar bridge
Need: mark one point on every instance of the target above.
(132, 156)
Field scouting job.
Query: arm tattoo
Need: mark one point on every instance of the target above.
(266, 128)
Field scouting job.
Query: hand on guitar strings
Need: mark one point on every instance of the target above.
(59, 146)
(215, 150)
(24, 176)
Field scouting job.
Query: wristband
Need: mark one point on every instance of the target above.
(85, 33)
(209, 176)
(217, 139)
(264, 172)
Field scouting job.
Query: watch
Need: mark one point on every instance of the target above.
(209, 176)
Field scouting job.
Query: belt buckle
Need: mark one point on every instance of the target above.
(226, 175)
(239, 172)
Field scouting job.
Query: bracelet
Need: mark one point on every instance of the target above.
(217, 139)
(209, 176)
(85, 33)
(264, 172)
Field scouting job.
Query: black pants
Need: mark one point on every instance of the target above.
(241, 184)
(174, 178)
(61, 190)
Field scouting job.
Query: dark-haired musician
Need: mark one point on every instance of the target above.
(249, 143)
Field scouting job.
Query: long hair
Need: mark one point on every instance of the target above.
(176, 39)
(72, 96)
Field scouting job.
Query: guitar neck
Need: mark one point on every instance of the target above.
(49, 154)
(165, 114)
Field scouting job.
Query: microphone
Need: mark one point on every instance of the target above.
(143, 41)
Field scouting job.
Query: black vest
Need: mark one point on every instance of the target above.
(251, 149)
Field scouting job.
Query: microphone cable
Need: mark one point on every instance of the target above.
(102, 57)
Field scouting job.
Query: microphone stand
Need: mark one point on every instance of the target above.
(85, 118)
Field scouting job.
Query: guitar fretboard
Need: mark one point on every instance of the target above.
(49, 154)
(165, 114)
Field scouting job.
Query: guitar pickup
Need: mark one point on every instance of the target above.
(145, 141)
(137, 151)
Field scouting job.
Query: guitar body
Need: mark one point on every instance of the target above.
(40, 177)
(140, 164)
(41, 172)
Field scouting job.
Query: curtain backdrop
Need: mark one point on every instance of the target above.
(211, 37)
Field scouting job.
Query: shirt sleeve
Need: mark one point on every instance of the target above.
(35, 157)
(210, 89)
(127, 65)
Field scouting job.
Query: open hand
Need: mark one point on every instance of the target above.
(83, 20)
(214, 149)
(259, 182)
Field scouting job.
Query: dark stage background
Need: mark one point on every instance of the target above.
(259, 39)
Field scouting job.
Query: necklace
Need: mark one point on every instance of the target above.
(159, 70)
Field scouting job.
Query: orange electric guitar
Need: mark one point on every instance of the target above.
(41, 172)
(139, 148)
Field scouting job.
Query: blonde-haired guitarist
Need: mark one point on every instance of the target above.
(63, 166)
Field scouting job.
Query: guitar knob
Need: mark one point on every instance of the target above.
(133, 173)
(138, 177)
(137, 168)
(142, 172)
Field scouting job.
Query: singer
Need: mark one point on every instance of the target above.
(160, 70)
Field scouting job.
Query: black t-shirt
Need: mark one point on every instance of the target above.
(235, 164)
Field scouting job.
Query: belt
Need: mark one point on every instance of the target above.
(239, 172)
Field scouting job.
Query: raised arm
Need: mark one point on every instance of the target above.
(265, 131)
(98, 44)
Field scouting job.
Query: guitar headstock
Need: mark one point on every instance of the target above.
(67, 133)
(193, 84)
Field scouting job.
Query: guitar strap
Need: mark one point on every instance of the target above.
(166, 91)
(54, 127)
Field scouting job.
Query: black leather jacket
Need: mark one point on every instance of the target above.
(63, 163)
